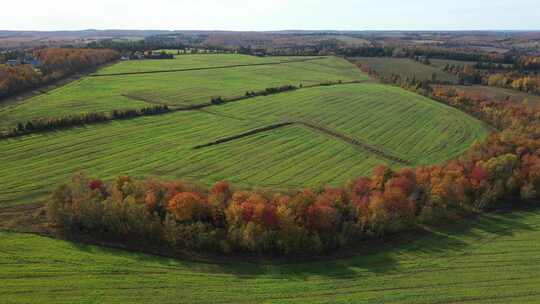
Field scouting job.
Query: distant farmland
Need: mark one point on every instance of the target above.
(406, 68)
(494, 93)
(387, 123)
(441, 63)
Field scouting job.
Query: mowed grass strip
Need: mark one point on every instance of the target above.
(408, 125)
(104, 94)
(489, 259)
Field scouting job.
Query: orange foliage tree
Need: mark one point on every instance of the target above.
(505, 165)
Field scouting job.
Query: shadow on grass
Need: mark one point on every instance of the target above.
(424, 246)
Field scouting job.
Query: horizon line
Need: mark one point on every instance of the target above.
(277, 30)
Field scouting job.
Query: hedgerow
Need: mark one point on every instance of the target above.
(51, 124)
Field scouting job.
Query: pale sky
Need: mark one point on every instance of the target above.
(271, 14)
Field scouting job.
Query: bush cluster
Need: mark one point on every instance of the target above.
(270, 91)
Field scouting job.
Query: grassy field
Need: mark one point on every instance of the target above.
(491, 259)
(174, 88)
(190, 62)
(406, 68)
(408, 125)
(411, 126)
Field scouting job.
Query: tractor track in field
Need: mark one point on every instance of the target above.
(242, 135)
(205, 68)
(224, 115)
(355, 142)
(193, 107)
(380, 152)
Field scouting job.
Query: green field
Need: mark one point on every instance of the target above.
(102, 94)
(405, 68)
(491, 259)
(190, 62)
(437, 265)
(409, 125)
(405, 124)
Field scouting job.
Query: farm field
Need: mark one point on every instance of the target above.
(104, 94)
(405, 124)
(495, 93)
(192, 61)
(489, 259)
(272, 152)
(406, 68)
(401, 123)
(441, 63)
(335, 125)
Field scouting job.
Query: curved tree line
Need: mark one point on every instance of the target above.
(503, 168)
